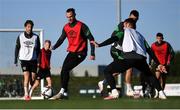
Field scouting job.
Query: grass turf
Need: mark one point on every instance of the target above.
(90, 103)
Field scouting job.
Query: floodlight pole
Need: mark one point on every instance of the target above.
(118, 11)
(119, 81)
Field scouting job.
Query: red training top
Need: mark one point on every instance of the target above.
(75, 40)
(44, 59)
(162, 52)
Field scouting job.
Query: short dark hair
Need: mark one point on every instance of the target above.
(71, 10)
(29, 22)
(159, 35)
(131, 21)
(135, 13)
(48, 41)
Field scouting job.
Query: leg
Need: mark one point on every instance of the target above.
(26, 71)
(48, 79)
(158, 74)
(36, 84)
(128, 78)
(32, 78)
(101, 86)
(114, 67)
(47, 75)
(163, 76)
(71, 61)
(104, 82)
(33, 69)
(159, 77)
(109, 74)
(143, 80)
(26, 82)
(144, 68)
(151, 78)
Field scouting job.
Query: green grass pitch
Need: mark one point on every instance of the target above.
(90, 103)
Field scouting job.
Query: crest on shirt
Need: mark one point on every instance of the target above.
(72, 33)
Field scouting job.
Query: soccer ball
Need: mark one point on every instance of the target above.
(47, 92)
(137, 91)
(136, 95)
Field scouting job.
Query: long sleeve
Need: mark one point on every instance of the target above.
(171, 54)
(86, 32)
(60, 40)
(117, 35)
(17, 48)
(108, 41)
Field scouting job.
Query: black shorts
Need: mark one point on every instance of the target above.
(30, 66)
(43, 73)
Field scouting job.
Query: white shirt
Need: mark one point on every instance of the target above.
(133, 41)
(28, 47)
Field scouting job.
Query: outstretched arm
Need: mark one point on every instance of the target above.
(171, 54)
(117, 35)
(86, 32)
(60, 40)
(111, 40)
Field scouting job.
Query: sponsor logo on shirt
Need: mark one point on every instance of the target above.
(28, 44)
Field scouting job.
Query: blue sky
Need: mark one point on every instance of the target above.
(101, 17)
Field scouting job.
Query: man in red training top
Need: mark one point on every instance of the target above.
(77, 34)
(165, 54)
(44, 66)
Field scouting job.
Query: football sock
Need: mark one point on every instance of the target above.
(25, 91)
(128, 86)
(30, 92)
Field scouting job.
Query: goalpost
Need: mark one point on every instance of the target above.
(7, 69)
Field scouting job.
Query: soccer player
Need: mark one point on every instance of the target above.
(78, 35)
(165, 54)
(27, 51)
(115, 51)
(44, 66)
(134, 48)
